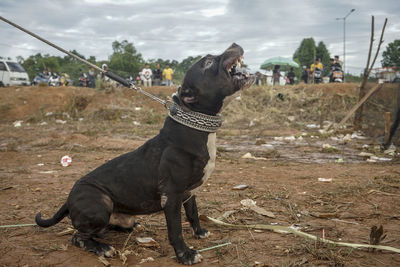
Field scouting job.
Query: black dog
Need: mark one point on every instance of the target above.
(161, 174)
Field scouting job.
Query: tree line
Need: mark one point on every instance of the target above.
(125, 61)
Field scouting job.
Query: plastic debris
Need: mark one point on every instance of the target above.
(312, 126)
(138, 108)
(249, 156)
(289, 138)
(291, 118)
(268, 146)
(48, 172)
(66, 161)
(326, 146)
(391, 151)
(17, 123)
(148, 259)
(347, 138)
(61, 121)
(321, 179)
(358, 135)
(136, 123)
(240, 187)
(366, 154)
(380, 159)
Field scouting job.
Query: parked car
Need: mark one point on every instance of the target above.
(12, 73)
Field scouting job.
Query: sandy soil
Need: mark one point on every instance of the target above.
(94, 127)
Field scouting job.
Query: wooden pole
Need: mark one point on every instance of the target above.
(358, 105)
(387, 127)
(367, 71)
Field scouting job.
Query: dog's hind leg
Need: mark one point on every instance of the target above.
(193, 218)
(90, 225)
(90, 212)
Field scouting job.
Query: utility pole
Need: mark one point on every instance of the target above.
(344, 39)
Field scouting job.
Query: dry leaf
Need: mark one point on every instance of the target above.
(147, 242)
(104, 261)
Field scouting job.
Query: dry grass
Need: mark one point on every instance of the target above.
(290, 106)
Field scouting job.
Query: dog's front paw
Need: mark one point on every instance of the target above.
(189, 257)
(201, 233)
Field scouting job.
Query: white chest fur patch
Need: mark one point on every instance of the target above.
(212, 152)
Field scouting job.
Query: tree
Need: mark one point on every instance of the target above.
(305, 53)
(391, 56)
(323, 53)
(125, 60)
(37, 63)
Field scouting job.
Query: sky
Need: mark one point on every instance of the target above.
(177, 29)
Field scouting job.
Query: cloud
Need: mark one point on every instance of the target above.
(177, 29)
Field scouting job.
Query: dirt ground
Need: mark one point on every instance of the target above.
(288, 155)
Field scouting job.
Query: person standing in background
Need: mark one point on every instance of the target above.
(304, 74)
(157, 75)
(146, 75)
(167, 73)
(276, 74)
(291, 76)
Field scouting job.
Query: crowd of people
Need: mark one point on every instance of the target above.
(148, 77)
(314, 73)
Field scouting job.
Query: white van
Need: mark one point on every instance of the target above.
(12, 73)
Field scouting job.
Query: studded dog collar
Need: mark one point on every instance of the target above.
(194, 120)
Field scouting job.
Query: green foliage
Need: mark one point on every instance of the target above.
(38, 63)
(357, 79)
(305, 53)
(391, 56)
(323, 53)
(124, 61)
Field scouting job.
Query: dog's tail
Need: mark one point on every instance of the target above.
(60, 214)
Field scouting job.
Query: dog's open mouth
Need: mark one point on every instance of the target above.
(241, 78)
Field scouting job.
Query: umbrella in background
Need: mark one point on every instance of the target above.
(270, 63)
